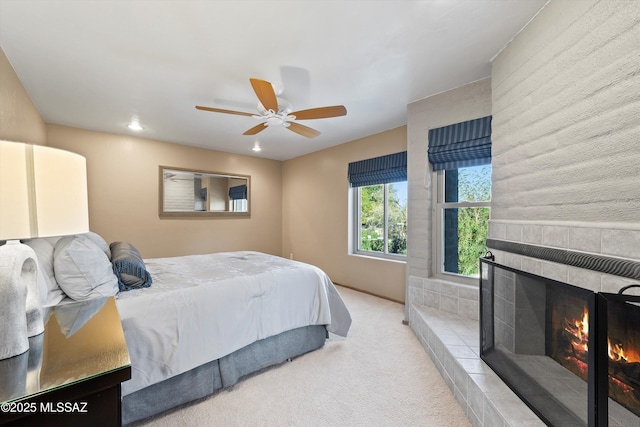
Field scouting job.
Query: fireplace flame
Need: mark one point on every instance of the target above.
(616, 352)
(579, 330)
(570, 349)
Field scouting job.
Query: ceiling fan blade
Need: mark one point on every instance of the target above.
(303, 130)
(256, 129)
(320, 113)
(220, 110)
(266, 95)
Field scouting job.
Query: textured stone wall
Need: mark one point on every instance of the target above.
(566, 154)
(566, 116)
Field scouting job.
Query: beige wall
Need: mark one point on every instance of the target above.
(20, 120)
(123, 183)
(123, 195)
(316, 220)
(299, 206)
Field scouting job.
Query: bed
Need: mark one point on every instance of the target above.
(199, 323)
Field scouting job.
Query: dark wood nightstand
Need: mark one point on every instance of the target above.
(72, 372)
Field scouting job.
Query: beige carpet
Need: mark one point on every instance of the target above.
(378, 376)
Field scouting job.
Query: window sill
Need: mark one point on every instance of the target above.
(380, 258)
(457, 279)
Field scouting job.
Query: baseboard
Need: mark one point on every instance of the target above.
(368, 293)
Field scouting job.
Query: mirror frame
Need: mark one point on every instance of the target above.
(201, 214)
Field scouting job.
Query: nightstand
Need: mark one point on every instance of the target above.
(72, 372)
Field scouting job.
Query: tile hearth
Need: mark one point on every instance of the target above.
(452, 342)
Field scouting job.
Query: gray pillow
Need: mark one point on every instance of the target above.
(129, 267)
(82, 269)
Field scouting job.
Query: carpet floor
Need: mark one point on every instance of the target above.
(378, 376)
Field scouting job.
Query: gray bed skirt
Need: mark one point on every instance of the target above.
(218, 374)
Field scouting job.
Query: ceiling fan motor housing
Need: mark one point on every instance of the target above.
(284, 108)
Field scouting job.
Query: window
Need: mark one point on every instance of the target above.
(460, 155)
(239, 205)
(238, 198)
(379, 214)
(381, 220)
(463, 199)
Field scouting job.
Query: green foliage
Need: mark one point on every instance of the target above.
(473, 223)
(397, 222)
(472, 236)
(474, 184)
(372, 220)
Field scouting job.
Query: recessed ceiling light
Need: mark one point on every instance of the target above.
(134, 126)
(256, 147)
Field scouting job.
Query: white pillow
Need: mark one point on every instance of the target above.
(43, 247)
(82, 269)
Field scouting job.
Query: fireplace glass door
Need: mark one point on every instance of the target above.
(621, 355)
(571, 354)
(534, 335)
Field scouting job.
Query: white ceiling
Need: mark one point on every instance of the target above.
(96, 64)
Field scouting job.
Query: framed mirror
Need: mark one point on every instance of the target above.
(188, 193)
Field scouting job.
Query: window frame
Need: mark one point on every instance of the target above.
(437, 246)
(357, 221)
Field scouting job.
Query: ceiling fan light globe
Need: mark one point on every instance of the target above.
(273, 121)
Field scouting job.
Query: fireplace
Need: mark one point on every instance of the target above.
(572, 355)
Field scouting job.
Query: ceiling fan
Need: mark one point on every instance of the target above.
(277, 111)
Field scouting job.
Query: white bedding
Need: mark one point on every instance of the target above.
(203, 307)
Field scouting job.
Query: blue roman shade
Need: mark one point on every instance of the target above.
(460, 145)
(379, 170)
(238, 192)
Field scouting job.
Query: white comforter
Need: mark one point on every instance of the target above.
(202, 307)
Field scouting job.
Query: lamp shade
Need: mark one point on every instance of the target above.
(43, 192)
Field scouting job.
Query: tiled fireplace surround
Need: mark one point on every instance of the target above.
(444, 315)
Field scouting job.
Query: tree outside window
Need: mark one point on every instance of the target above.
(465, 215)
(382, 224)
